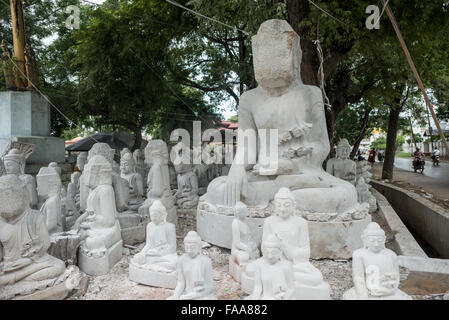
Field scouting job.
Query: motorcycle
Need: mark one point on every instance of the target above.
(419, 164)
(435, 160)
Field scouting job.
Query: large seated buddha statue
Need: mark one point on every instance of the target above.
(291, 142)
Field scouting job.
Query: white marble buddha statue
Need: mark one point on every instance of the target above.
(187, 194)
(14, 163)
(99, 223)
(141, 168)
(375, 269)
(72, 203)
(341, 166)
(293, 232)
(134, 179)
(365, 195)
(53, 209)
(283, 106)
(274, 278)
(244, 248)
(158, 180)
(159, 253)
(24, 239)
(195, 273)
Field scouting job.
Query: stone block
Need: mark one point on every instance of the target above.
(153, 278)
(48, 149)
(98, 266)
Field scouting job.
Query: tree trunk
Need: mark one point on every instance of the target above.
(18, 33)
(138, 139)
(361, 134)
(393, 123)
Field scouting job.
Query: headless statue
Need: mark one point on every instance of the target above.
(195, 273)
(375, 269)
(24, 239)
(274, 279)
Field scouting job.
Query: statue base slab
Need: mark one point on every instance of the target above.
(99, 266)
(352, 295)
(132, 227)
(52, 289)
(332, 239)
(236, 270)
(152, 278)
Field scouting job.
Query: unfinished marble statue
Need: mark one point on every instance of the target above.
(365, 195)
(292, 116)
(49, 187)
(55, 166)
(134, 179)
(72, 208)
(274, 278)
(187, 194)
(294, 234)
(375, 269)
(195, 273)
(25, 265)
(156, 264)
(120, 185)
(341, 166)
(14, 163)
(141, 168)
(244, 248)
(102, 248)
(158, 181)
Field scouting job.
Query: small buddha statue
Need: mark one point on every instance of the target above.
(53, 209)
(102, 247)
(293, 232)
(134, 179)
(14, 163)
(158, 180)
(342, 167)
(375, 269)
(244, 248)
(195, 273)
(72, 204)
(365, 195)
(159, 254)
(187, 194)
(24, 239)
(274, 278)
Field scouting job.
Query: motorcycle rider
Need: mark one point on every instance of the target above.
(436, 155)
(416, 156)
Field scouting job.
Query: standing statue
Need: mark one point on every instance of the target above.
(14, 163)
(342, 167)
(24, 241)
(158, 181)
(72, 208)
(274, 279)
(244, 248)
(187, 194)
(134, 179)
(195, 273)
(156, 264)
(102, 248)
(375, 269)
(141, 168)
(293, 232)
(83, 190)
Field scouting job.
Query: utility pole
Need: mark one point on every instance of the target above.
(18, 35)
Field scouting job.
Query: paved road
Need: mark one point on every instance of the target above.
(434, 180)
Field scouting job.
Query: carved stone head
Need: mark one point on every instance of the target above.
(156, 151)
(276, 55)
(14, 198)
(102, 149)
(240, 210)
(343, 149)
(127, 164)
(14, 162)
(272, 249)
(98, 172)
(192, 244)
(158, 212)
(284, 202)
(373, 238)
(81, 161)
